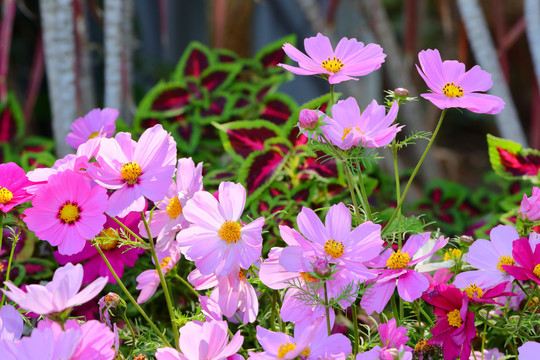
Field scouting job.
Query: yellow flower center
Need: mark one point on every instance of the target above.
(306, 352)
(165, 262)
(242, 274)
(130, 172)
(451, 90)
(69, 213)
(284, 349)
(505, 260)
(423, 346)
(307, 277)
(110, 240)
(332, 65)
(454, 318)
(473, 290)
(452, 254)
(109, 298)
(398, 260)
(174, 208)
(93, 135)
(334, 248)
(536, 271)
(229, 231)
(5, 196)
(346, 131)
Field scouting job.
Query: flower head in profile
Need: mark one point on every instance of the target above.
(148, 281)
(13, 182)
(58, 295)
(530, 206)
(452, 86)
(204, 341)
(67, 211)
(393, 339)
(216, 240)
(372, 128)
(96, 123)
(528, 259)
(351, 58)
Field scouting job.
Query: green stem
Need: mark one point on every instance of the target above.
(367, 208)
(526, 302)
(187, 284)
(331, 96)
(483, 340)
(163, 283)
(128, 294)
(395, 310)
(10, 261)
(415, 171)
(423, 312)
(273, 309)
(124, 317)
(327, 310)
(353, 196)
(129, 231)
(355, 329)
(398, 189)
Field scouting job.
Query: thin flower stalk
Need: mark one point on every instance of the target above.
(130, 232)
(10, 261)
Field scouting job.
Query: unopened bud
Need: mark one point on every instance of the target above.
(308, 119)
(401, 92)
(466, 239)
(111, 308)
(322, 268)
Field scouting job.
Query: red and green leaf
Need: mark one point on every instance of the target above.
(278, 108)
(195, 59)
(273, 54)
(219, 77)
(510, 160)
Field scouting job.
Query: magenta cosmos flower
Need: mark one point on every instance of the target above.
(204, 341)
(351, 58)
(58, 295)
(136, 170)
(373, 128)
(148, 281)
(168, 218)
(67, 211)
(489, 257)
(216, 240)
(393, 339)
(527, 259)
(530, 206)
(453, 87)
(119, 257)
(96, 123)
(13, 182)
(399, 272)
(454, 328)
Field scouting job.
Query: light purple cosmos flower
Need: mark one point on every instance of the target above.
(58, 295)
(168, 218)
(351, 58)
(529, 350)
(148, 281)
(13, 184)
(527, 259)
(204, 341)
(410, 284)
(216, 241)
(136, 170)
(530, 206)
(372, 128)
(489, 257)
(96, 123)
(11, 324)
(393, 339)
(453, 87)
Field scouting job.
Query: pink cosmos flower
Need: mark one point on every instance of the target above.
(148, 281)
(96, 123)
(527, 259)
(67, 211)
(489, 257)
(119, 257)
(410, 284)
(453, 87)
(168, 218)
(372, 128)
(91, 340)
(479, 293)
(454, 328)
(13, 182)
(529, 350)
(136, 170)
(393, 339)
(308, 343)
(58, 295)
(530, 206)
(351, 58)
(204, 341)
(216, 240)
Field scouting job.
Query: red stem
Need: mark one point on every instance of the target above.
(36, 78)
(9, 7)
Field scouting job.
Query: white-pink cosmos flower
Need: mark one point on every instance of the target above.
(216, 241)
(58, 295)
(136, 170)
(96, 123)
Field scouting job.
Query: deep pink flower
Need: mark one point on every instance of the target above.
(148, 281)
(454, 328)
(96, 123)
(372, 128)
(527, 259)
(168, 218)
(410, 284)
(453, 87)
(58, 295)
(136, 170)
(119, 257)
(351, 58)
(216, 241)
(530, 206)
(204, 341)
(67, 211)
(13, 182)
(393, 339)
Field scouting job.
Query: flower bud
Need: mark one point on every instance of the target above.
(111, 308)
(466, 239)
(530, 206)
(308, 119)
(322, 268)
(401, 92)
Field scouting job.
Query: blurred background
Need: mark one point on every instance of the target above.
(61, 58)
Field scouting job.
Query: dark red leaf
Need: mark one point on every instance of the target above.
(295, 139)
(262, 169)
(8, 127)
(519, 165)
(325, 169)
(196, 63)
(245, 141)
(214, 79)
(171, 99)
(216, 107)
(273, 58)
(276, 111)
